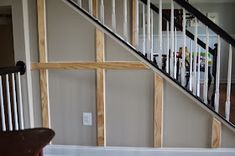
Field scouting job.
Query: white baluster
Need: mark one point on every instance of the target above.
(21, 113)
(9, 112)
(125, 20)
(175, 54)
(167, 46)
(227, 105)
(14, 102)
(148, 28)
(79, 2)
(195, 60)
(102, 11)
(160, 35)
(144, 41)
(91, 7)
(191, 65)
(217, 94)
(113, 15)
(199, 72)
(152, 43)
(183, 50)
(205, 87)
(172, 41)
(2, 106)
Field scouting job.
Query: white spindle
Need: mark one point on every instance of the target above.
(199, 72)
(144, 41)
(183, 50)
(167, 46)
(175, 54)
(172, 41)
(217, 94)
(9, 112)
(91, 7)
(125, 20)
(79, 2)
(160, 34)
(15, 110)
(227, 105)
(2, 106)
(191, 65)
(113, 15)
(148, 27)
(20, 106)
(205, 87)
(195, 59)
(152, 43)
(102, 11)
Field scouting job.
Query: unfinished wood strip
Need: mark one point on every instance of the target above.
(158, 111)
(90, 65)
(100, 89)
(42, 43)
(95, 8)
(216, 134)
(135, 25)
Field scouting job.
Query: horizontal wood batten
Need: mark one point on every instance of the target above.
(90, 65)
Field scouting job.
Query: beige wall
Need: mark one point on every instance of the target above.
(129, 97)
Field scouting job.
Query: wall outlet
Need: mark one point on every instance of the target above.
(87, 118)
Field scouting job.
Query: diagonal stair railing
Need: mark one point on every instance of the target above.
(171, 59)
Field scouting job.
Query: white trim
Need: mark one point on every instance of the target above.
(71, 150)
(28, 61)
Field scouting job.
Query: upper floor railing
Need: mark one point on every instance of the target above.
(165, 40)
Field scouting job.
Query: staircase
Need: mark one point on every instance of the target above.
(172, 57)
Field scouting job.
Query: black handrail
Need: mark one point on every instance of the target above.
(20, 67)
(205, 20)
(178, 26)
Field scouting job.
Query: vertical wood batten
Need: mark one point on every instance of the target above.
(101, 126)
(158, 111)
(19, 96)
(44, 88)
(91, 7)
(217, 94)
(100, 87)
(102, 11)
(135, 23)
(15, 109)
(216, 134)
(229, 78)
(2, 106)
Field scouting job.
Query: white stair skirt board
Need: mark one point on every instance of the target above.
(66, 150)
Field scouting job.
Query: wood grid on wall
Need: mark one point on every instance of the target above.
(100, 65)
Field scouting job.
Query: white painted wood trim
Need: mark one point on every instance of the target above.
(28, 62)
(2, 106)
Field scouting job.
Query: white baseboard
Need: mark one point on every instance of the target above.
(66, 150)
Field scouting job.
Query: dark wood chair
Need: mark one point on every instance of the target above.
(28, 142)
